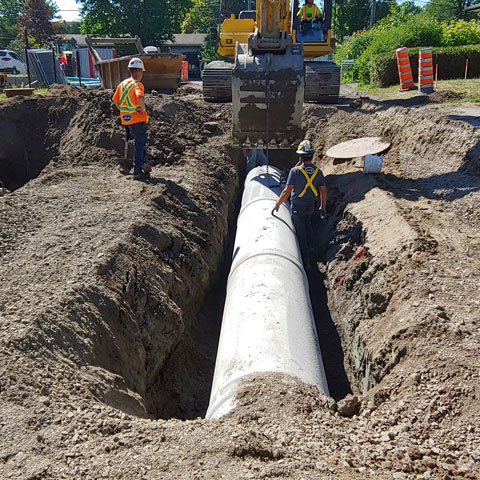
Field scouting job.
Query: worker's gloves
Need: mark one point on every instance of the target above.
(275, 209)
(322, 213)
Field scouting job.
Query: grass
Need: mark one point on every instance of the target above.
(470, 88)
(36, 92)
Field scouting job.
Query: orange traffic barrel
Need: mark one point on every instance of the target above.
(404, 70)
(425, 71)
(185, 71)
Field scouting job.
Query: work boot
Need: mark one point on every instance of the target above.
(146, 168)
(123, 170)
(141, 176)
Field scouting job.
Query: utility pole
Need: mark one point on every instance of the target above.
(373, 11)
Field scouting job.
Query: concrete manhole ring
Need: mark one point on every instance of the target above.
(358, 147)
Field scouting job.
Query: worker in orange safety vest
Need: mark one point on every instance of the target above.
(129, 98)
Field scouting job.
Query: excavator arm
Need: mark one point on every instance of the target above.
(268, 82)
(269, 78)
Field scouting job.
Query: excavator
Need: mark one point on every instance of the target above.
(271, 77)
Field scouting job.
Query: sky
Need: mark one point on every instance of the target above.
(68, 10)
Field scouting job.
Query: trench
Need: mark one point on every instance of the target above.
(181, 386)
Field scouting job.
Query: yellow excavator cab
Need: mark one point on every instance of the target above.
(234, 30)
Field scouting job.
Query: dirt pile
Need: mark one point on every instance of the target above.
(106, 320)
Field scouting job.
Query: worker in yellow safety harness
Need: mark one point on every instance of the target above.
(309, 12)
(308, 198)
(129, 98)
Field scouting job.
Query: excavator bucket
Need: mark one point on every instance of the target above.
(267, 98)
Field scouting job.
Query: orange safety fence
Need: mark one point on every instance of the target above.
(184, 71)
(404, 70)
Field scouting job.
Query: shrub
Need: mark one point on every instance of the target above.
(450, 61)
(367, 46)
(461, 33)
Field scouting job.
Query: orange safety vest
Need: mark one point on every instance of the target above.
(127, 96)
(308, 12)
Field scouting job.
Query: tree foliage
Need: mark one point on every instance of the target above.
(36, 17)
(447, 10)
(154, 21)
(350, 16)
(202, 16)
(404, 29)
(9, 11)
(72, 27)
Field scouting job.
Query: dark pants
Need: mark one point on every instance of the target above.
(139, 132)
(302, 221)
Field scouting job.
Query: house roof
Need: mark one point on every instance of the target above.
(187, 39)
(179, 39)
(472, 8)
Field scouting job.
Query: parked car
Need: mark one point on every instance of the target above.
(10, 62)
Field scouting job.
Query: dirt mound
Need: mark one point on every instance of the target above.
(442, 96)
(81, 127)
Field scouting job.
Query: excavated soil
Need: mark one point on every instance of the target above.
(111, 298)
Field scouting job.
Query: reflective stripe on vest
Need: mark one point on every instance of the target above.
(304, 11)
(125, 103)
(309, 182)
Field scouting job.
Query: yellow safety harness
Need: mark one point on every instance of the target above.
(309, 182)
(125, 103)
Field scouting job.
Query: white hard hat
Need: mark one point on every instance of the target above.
(305, 148)
(136, 63)
(151, 49)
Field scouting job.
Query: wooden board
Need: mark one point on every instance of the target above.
(358, 147)
(13, 92)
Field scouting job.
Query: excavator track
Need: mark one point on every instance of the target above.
(217, 82)
(322, 82)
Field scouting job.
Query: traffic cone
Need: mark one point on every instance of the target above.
(404, 70)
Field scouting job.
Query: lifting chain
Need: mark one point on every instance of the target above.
(267, 103)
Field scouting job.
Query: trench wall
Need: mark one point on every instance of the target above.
(118, 319)
(370, 238)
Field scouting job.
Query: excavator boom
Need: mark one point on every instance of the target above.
(268, 82)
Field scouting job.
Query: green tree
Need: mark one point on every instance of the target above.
(399, 13)
(205, 14)
(208, 50)
(202, 16)
(447, 10)
(36, 17)
(154, 21)
(350, 16)
(9, 11)
(68, 27)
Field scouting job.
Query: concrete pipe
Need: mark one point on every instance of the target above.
(268, 323)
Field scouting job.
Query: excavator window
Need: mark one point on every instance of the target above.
(252, 14)
(309, 32)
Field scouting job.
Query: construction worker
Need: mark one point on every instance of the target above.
(254, 157)
(129, 98)
(308, 195)
(309, 12)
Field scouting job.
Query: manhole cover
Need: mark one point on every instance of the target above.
(358, 147)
